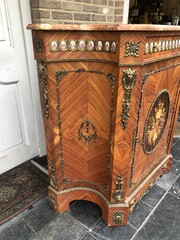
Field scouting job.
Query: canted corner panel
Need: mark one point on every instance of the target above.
(86, 102)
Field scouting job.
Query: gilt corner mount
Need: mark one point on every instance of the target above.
(132, 49)
(128, 82)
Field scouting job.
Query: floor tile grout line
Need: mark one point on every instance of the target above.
(28, 225)
(83, 225)
(176, 159)
(170, 173)
(49, 223)
(178, 137)
(83, 236)
(133, 226)
(86, 227)
(96, 234)
(174, 144)
(96, 224)
(89, 232)
(77, 221)
(56, 218)
(160, 189)
(149, 215)
(37, 233)
(174, 195)
(147, 203)
(36, 236)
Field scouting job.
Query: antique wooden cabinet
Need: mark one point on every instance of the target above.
(110, 99)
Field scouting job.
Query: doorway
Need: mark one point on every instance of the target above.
(21, 130)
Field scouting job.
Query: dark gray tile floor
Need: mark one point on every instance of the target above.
(155, 217)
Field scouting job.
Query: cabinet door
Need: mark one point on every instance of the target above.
(85, 102)
(155, 121)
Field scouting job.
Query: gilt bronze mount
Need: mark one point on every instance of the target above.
(43, 78)
(128, 82)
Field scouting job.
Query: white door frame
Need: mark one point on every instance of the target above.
(125, 12)
(25, 10)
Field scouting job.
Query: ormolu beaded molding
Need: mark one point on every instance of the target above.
(160, 46)
(83, 45)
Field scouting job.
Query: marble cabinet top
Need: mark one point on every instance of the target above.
(103, 27)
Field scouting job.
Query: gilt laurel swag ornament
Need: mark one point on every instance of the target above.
(128, 82)
(87, 133)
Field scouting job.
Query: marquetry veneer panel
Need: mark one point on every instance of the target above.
(109, 113)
